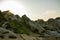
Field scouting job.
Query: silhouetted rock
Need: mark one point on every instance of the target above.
(32, 25)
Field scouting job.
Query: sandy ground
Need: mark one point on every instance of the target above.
(28, 37)
(20, 37)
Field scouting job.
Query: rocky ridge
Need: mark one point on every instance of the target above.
(11, 25)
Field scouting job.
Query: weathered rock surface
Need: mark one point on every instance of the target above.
(7, 33)
(11, 24)
(33, 25)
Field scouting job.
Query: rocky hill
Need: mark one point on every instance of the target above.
(23, 28)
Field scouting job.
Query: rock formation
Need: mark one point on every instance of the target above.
(11, 25)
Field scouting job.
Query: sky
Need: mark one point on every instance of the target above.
(34, 9)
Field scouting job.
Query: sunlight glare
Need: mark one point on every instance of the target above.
(14, 7)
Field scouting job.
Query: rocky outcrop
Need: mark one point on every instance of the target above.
(51, 26)
(11, 24)
(7, 33)
(33, 25)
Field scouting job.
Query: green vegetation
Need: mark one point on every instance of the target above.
(17, 27)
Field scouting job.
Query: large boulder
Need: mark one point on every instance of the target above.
(33, 25)
(53, 33)
(7, 33)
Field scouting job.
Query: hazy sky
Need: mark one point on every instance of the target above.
(34, 9)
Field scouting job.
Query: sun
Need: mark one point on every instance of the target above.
(14, 6)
